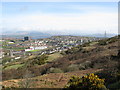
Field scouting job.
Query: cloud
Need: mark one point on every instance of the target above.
(24, 8)
(81, 23)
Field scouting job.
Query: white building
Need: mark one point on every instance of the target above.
(10, 42)
(40, 47)
(36, 48)
(30, 49)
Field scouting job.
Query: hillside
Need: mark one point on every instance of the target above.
(21, 34)
(51, 80)
(100, 57)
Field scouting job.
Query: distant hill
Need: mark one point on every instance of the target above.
(45, 34)
(101, 35)
(21, 34)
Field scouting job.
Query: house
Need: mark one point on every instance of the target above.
(40, 47)
(17, 58)
(36, 48)
(10, 42)
(30, 49)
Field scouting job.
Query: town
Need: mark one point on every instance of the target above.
(16, 49)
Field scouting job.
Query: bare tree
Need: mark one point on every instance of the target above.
(26, 82)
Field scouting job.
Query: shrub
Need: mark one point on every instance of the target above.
(86, 44)
(102, 42)
(73, 50)
(26, 82)
(82, 67)
(38, 60)
(115, 85)
(88, 82)
(112, 39)
(85, 65)
(72, 67)
(55, 70)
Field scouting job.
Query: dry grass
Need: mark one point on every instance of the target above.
(52, 80)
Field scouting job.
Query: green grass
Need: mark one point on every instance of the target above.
(54, 56)
(93, 43)
(33, 50)
(13, 48)
(88, 48)
(14, 66)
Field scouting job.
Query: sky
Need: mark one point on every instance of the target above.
(65, 17)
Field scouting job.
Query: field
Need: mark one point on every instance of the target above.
(14, 66)
(33, 50)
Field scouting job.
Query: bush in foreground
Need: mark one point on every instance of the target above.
(88, 82)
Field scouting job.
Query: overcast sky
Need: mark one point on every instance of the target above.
(72, 17)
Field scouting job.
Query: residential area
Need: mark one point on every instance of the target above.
(16, 49)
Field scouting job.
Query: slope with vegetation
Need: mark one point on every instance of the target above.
(99, 57)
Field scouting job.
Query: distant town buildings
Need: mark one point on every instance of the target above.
(37, 45)
(11, 42)
(26, 38)
(17, 48)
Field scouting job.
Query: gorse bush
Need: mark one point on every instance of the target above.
(88, 82)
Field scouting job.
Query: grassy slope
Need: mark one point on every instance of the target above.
(14, 66)
(54, 56)
(17, 64)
